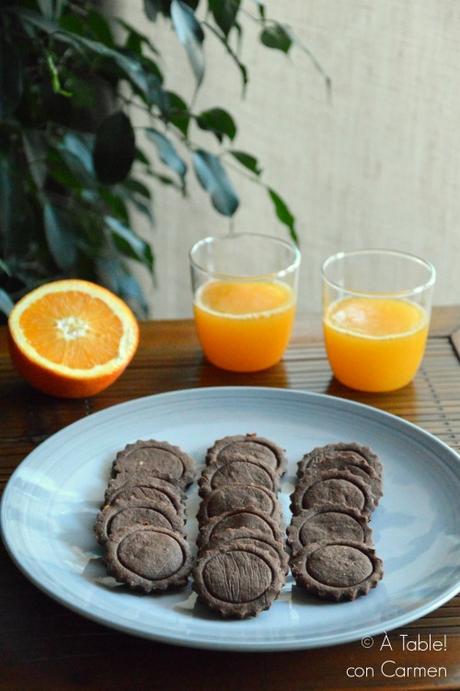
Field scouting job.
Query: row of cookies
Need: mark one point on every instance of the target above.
(332, 554)
(241, 564)
(142, 523)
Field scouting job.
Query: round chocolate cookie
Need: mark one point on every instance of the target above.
(327, 523)
(231, 497)
(338, 487)
(238, 579)
(248, 447)
(153, 458)
(148, 559)
(241, 472)
(337, 571)
(250, 518)
(316, 455)
(149, 489)
(275, 547)
(122, 514)
(345, 460)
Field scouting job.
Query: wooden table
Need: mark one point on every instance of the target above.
(44, 646)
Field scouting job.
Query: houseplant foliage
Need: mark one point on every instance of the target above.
(70, 164)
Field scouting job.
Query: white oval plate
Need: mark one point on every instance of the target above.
(50, 503)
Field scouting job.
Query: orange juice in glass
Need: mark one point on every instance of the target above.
(376, 314)
(244, 299)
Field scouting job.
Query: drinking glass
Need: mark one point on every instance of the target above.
(244, 298)
(376, 314)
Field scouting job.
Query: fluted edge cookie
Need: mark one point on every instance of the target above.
(238, 471)
(238, 579)
(274, 546)
(128, 513)
(337, 571)
(238, 496)
(250, 518)
(148, 489)
(149, 559)
(339, 487)
(327, 523)
(248, 447)
(345, 460)
(152, 458)
(316, 455)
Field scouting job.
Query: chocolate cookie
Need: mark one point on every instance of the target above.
(153, 489)
(327, 523)
(232, 497)
(345, 460)
(149, 559)
(153, 458)
(239, 579)
(240, 472)
(316, 455)
(338, 487)
(337, 571)
(122, 514)
(275, 547)
(248, 447)
(250, 518)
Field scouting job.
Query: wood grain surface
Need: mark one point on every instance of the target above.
(45, 646)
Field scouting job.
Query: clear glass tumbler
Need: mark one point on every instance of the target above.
(244, 298)
(376, 314)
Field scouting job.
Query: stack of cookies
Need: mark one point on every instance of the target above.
(241, 564)
(332, 554)
(142, 522)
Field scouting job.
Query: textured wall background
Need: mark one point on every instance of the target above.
(378, 166)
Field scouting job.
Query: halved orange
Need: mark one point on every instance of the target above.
(72, 338)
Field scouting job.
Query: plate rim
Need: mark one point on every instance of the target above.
(229, 645)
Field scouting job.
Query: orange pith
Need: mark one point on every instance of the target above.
(72, 338)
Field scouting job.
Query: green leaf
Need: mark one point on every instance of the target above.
(277, 37)
(190, 34)
(46, 8)
(113, 274)
(100, 27)
(151, 9)
(115, 204)
(5, 268)
(35, 147)
(55, 81)
(283, 213)
(177, 113)
(11, 78)
(59, 237)
(242, 68)
(247, 161)
(130, 244)
(224, 13)
(218, 121)
(130, 66)
(213, 178)
(76, 153)
(167, 152)
(114, 148)
(137, 187)
(6, 303)
(141, 157)
(135, 39)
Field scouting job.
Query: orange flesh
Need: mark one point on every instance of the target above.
(72, 328)
(244, 326)
(375, 344)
